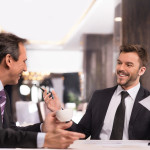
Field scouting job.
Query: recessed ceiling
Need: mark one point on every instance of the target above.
(56, 22)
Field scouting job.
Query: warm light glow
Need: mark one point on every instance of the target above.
(24, 90)
(118, 19)
(35, 75)
(26, 73)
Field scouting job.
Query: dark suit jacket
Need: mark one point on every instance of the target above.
(12, 136)
(92, 122)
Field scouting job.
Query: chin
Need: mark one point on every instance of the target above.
(14, 83)
(122, 83)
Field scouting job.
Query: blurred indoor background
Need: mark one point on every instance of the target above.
(73, 47)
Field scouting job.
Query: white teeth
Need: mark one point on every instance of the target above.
(122, 75)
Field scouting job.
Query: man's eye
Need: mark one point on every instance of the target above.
(129, 65)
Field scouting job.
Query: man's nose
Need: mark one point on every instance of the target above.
(121, 67)
(25, 68)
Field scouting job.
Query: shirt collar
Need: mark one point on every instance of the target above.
(132, 92)
(1, 86)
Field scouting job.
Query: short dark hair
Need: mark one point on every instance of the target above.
(142, 53)
(9, 44)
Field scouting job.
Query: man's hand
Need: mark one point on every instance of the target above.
(52, 104)
(51, 123)
(61, 138)
(56, 135)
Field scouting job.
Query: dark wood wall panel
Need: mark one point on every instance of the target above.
(98, 54)
(136, 28)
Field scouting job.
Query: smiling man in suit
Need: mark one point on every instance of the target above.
(12, 64)
(115, 113)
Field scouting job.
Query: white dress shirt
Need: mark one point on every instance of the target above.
(1, 86)
(113, 105)
(40, 135)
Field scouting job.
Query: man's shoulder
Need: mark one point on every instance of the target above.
(107, 90)
(145, 91)
(103, 94)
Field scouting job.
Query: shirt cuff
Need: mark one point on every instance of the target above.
(40, 140)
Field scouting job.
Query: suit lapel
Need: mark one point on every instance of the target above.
(106, 98)
(137, 107)
(6, 118)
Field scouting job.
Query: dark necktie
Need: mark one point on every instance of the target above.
(2, 102)
(118, 125)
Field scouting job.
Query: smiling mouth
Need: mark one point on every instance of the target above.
(19, 75)
(122, 74)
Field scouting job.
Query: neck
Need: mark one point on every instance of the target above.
(129, 87)
(3, 76)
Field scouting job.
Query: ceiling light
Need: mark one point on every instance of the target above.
(118, 19)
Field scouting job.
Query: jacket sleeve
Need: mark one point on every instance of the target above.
(10, 138)
(32, 128)
(84, 126)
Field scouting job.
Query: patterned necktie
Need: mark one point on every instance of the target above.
(118, 125)
(2, 102)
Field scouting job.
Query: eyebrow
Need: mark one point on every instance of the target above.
(125, 62)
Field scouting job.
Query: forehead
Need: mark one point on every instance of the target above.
(129, 57)
(22, 51)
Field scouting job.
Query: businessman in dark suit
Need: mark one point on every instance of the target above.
(110, 115)
(50, 133)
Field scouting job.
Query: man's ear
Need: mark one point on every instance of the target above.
(142, 71)
(8, 60)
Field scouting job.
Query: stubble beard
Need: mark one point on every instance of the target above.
(128, 82)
